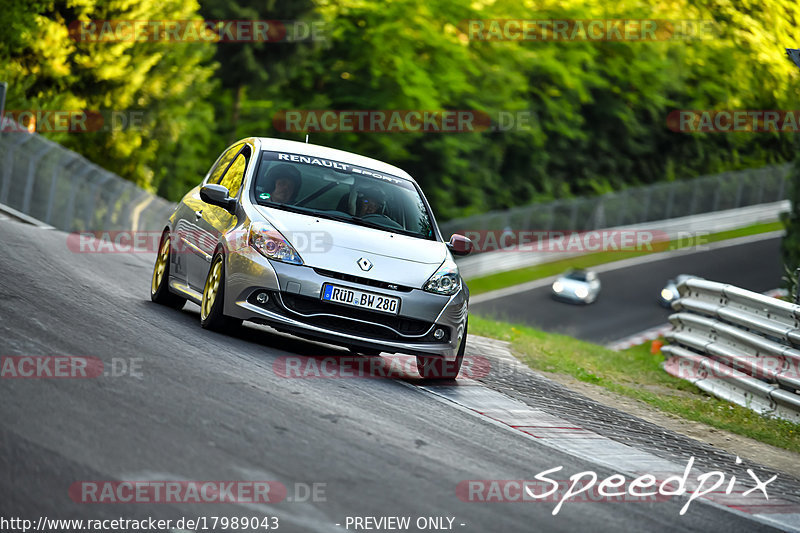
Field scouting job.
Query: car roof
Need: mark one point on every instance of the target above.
(300, 148)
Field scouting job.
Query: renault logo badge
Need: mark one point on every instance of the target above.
(364, 263)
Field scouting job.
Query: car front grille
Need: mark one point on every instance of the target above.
(378, 326)
(363, 281)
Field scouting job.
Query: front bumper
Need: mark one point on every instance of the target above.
(294, 306)
(570, 297)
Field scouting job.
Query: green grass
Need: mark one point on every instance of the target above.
(635, 373)
(522, 275)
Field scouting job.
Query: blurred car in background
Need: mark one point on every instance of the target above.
(577, 286)
(670, 291)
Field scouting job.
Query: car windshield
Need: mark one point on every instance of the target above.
(341, 191)
(577, 276)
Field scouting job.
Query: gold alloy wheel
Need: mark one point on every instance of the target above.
(161, 266)
(211, 289)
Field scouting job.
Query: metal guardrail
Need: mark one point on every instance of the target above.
(60, 187)
(738, 345)
(637, 205)
(484, 264)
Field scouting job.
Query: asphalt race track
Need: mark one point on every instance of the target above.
(207, 406)
(628, 300)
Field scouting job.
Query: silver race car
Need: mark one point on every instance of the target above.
(322, 244)
(670, 291)
(577, 286)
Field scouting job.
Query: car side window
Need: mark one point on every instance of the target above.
(222, 164)
(232, 180)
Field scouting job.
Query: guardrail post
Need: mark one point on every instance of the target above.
(551, 214)
(646, 210)
(739, 187)
(12, 147)
(91, 199)
(70, 210)
(693, 204)
(797, 286)
(26, 198)
(52, 197)
(782, 188)
(573, 216)
(760, 191)
(717, 193)
(118, 192)
(599, 215)
(670, 200)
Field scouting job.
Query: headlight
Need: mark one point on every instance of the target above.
(445, 281)
(667, 294)
(270, 243)
(581, 292)
(558, 286)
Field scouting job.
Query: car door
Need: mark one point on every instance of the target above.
(213, 220)
(188, 226)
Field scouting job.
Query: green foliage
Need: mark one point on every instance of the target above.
(600, 108)
(634, 373)
(166, 84)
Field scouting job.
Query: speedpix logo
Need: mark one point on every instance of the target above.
(589, 487)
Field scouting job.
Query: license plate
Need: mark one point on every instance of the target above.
(362, 299)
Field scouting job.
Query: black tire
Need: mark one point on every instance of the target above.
(211, 316)
(159, 284)
(438, 368)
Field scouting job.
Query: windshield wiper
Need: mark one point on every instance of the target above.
(368, 224)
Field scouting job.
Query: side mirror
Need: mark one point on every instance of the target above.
(459, 245)
(218, 195)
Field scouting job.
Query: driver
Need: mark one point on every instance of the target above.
(283, 183)
(370, 201)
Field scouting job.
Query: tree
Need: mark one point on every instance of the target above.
(168, 83)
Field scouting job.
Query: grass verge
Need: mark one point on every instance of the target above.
(635, 373)
(515, 277)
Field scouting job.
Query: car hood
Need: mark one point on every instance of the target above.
(339, 246)
(571, 285)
